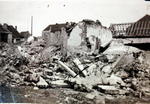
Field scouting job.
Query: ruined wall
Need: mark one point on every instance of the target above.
(92, 31)
(103, 33)
(75, 36)
(51, 38)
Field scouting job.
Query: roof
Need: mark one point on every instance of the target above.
(15, 33)
(25, 34)
(2, 30)
(141, 25)
(145, 18)
(55, 27)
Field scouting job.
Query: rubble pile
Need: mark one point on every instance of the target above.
(23, 65)
(87, 72)
(136, 76)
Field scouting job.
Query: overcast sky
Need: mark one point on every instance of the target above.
(45, 12)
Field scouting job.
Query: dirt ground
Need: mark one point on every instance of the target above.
(61, 96)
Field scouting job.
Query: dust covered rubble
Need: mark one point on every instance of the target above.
(125, 73)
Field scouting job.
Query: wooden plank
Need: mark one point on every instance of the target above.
(141, 27)
(67, 68)
(128, 31)
(0, 38)
(138, 28)
(80, 66)
(135, 28)
(147, 27)
(131, 31)
(144, 29)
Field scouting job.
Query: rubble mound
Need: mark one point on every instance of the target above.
(34, 64)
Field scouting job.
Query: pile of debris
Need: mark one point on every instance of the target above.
(106, 73)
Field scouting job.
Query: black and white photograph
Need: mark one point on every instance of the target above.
(75, 51)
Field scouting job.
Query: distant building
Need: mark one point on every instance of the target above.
(140, 28)
(9, 34)
(25, 34)
(52, 33)
(16, 37)
(5, 34)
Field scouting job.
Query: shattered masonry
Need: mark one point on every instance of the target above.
(119, 70)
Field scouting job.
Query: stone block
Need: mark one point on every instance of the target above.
(108, 89)
(59, 83)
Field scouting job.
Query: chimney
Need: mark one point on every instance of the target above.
(16, 27)
(5, 26)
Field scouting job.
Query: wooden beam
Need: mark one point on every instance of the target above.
(131, 31)
(138, 27)
(127, 31)
(80, 66)
(141, 27)
(67, 68)
(145, 27)
(148, 27)
(0, 37)
(146, 31)
(135, 28)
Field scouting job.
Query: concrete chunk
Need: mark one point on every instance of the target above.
(42, 83)
(108, 89)
(60, 83)
(90, 96)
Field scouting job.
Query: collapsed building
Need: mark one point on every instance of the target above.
(132, 33)
(119, 70)
(96, 34)
(86, 32)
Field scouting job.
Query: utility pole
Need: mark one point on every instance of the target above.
(31, 25)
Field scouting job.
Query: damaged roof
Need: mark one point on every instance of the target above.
(141, 27)
(91, 22)
(55, 27)
(145, 18)
(15, 33)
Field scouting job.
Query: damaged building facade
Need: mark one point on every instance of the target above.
(9, 34)
(86, 32)
(140, 28)
(120, 71)
(132, 33)
(52, 33)
(5, 34)
(92, 32)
